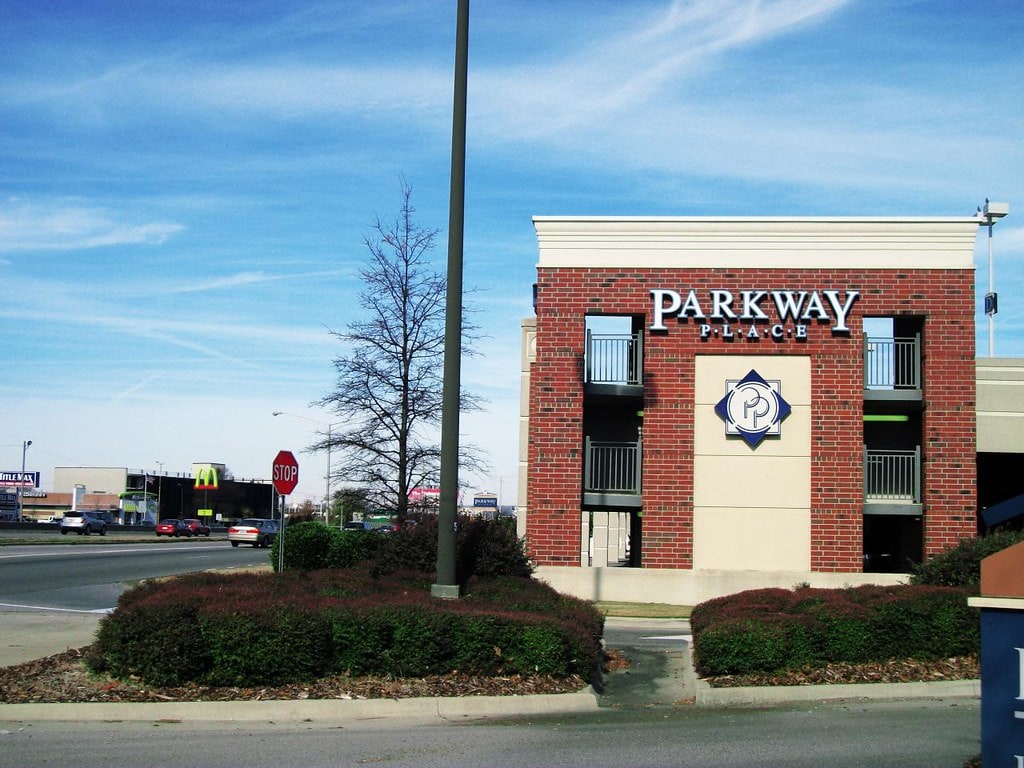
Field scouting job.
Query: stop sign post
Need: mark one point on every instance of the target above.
(285, 474)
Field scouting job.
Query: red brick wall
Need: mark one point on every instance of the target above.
(944, 298)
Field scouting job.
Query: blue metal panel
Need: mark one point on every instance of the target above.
(1002, 687)
(1003, 511)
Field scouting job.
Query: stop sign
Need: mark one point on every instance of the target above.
(286, 472)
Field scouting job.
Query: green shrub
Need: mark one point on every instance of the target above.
(360, 639)
(542, 649)
(306, 546)
(151, 639)
(764, 631)
(960, 566)
(272, 644)
(925, 623)
(349, 548)
(266, 629)
(491, 548)
(411, 547)
(483, 548)
(769, 644)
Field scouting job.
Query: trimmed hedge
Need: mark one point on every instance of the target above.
(960, 566)
(268, 629)
(771, 630)
(482, 548)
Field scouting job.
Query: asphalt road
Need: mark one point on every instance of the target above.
(52, 595)
(922, 734)
(90, 577)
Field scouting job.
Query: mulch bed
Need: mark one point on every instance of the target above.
(899, 671)
(64, 678)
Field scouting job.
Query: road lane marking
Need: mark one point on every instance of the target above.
(141, 548)
(58, 610)
(687, 638)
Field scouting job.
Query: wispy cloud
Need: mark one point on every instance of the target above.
(242, 279)
(136, 388)
(27, 226)
(616, 74)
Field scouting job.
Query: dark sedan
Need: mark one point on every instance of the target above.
(197, 527)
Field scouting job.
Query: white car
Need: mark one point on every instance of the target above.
(83, 522)
(253, 530)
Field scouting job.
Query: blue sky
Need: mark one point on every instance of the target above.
(185, 187)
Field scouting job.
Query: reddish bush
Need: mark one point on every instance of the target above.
(768, 630)
(263, 629)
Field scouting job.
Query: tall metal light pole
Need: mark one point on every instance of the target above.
(990, 212)
(24, 448)
(447, 585)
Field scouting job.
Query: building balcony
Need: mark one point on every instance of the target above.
(611, 473)
(892, 482)
(613, 364)
(892, 368)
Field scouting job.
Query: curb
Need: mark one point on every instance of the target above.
(278, 710)
(784, 694)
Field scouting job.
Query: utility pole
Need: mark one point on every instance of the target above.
(446, 585)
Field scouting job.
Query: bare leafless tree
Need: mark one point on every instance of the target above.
(388, 386)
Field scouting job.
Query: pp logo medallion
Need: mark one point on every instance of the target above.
(753, 408)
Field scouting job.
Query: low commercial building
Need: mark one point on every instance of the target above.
(143, 497)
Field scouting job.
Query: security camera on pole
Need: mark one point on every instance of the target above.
(285, 477)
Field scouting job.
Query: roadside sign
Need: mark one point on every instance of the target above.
(15, 479)
(285, 472)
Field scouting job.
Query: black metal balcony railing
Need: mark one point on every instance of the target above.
(611, 467)
(892, 476)
(892, 363)
(614, 358)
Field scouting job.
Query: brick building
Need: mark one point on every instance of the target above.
(720, 403)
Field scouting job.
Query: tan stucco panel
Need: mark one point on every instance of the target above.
(712, 371)
(709, 436)
(752, 539)
(752, 481)
(752, 505)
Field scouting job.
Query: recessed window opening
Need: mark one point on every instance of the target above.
(612, 354)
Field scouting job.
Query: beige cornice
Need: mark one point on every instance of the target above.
(757, 242)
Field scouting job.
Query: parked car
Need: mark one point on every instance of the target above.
(255, 531)
(172, 527)
(197, 527)
(357, 525)
(83, 522)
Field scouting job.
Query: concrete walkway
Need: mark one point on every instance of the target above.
(27, 634)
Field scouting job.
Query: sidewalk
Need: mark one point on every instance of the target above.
(35, 634)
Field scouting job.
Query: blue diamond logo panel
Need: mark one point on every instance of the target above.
(753, 408)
